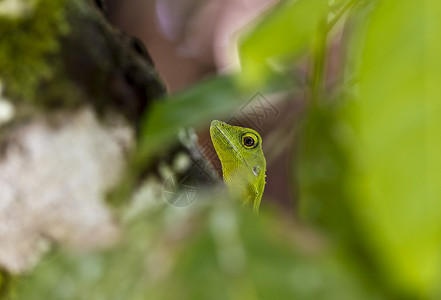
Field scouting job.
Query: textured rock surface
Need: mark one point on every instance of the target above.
(54, 173)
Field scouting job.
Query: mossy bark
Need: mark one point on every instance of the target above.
(64, 53)
(61, 65)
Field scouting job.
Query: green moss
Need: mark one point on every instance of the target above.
(26, 43)
(7, 285)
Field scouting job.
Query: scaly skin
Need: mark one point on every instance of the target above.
(243, 163)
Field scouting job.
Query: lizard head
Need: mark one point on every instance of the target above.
(243, 163)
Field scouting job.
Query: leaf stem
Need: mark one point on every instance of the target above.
(319, 58)
(320, 52)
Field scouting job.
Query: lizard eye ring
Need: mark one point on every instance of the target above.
(249, 140)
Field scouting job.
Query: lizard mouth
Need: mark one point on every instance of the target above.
(222, 134)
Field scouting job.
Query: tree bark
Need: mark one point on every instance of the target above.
(68, 131)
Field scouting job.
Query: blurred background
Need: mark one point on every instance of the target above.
(193, 40)
(346, 94)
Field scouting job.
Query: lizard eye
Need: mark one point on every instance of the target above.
(249, 140)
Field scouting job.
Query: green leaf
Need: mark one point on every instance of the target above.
(370, 167)
(193, 107)
(213, 249)
(211, 99)
(283, 35)
(397, 163)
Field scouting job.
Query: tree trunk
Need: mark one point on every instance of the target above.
(74, 91)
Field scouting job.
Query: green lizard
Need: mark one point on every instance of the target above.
(243, 163)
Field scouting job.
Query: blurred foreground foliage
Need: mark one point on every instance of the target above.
(210, 250)
(368, 174)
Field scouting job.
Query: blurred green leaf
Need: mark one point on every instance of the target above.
(322, 170)
(213, 249)
(193, 107)
(370, 166)
(322, 166)
(282, 35)
(398, 125)
(211, 99)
